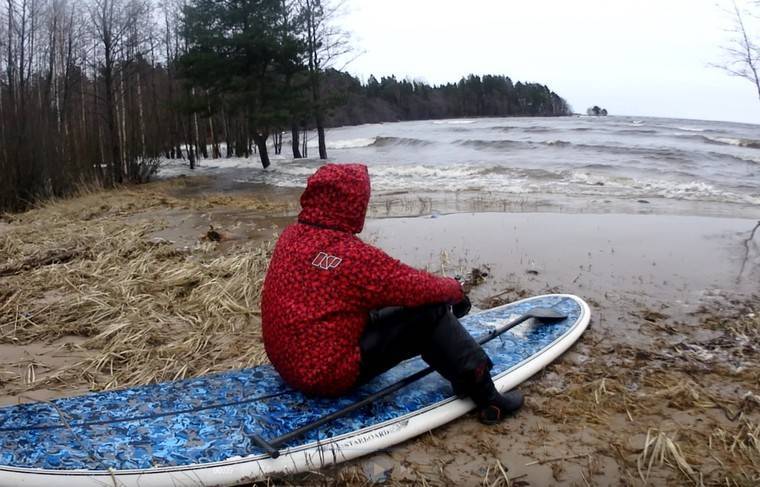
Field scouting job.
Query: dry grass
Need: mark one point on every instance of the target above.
(739, 448)
(150, 312)
(661, 448)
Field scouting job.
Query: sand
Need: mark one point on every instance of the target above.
(663, 387)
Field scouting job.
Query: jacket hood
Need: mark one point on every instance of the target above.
(336, 197)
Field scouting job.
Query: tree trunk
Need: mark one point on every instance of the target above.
(261, 144)
(295, 142)
(191, 142)
(227, 134)
(321, 138)
(305, 147)
(198, 141)
(277, 139)
(314, 69)
(140, 114)
(214, 140)
(3, 140)
(126, 164)
(318, 118)
(115, 175)
(203, 144)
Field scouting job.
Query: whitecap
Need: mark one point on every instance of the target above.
(750, 143)
(351, 143)
(453, 122)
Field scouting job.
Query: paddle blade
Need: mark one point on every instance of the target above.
(546, 314)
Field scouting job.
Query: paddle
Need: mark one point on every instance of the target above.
(543, 315)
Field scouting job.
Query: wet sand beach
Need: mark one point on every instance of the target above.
(662, 365)
(662, 388)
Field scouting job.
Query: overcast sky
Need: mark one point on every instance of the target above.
(633, 57)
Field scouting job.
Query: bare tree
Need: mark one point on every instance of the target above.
(113, 22)
(325, 43)
(93, 91)
(742, 52)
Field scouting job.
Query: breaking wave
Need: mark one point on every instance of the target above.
(591, 180)
(453, 122)
(657, 153)
(351, 143)
(399, 141)
(506, 128)
(490, 144)
(376, 142)
(736, 158)
(539, 129)
(596, 160)
(750, 143)
(636, 131)
(660, 188)
(664, 153)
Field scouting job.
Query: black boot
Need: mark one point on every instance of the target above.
(500, 406)
(458, 357)
(492, 405)
(448, 348)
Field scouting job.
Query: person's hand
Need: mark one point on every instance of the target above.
(462, 307)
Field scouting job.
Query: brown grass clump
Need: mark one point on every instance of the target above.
(150, 312)
(661, 448)
(739, 446)
(685, 413)
(588, 400)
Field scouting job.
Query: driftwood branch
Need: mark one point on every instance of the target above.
(746, 243)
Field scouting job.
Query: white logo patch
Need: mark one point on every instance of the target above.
(326, 262)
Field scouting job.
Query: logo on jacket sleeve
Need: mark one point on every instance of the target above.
(326, 262)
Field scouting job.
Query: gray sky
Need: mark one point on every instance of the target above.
(633, 57)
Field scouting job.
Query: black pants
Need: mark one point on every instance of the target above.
(396, 334)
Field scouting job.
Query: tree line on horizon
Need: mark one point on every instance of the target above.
(98, 92)
(390, 100)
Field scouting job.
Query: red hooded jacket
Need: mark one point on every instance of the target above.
(322, 282)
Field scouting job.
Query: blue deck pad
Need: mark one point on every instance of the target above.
(186, 422)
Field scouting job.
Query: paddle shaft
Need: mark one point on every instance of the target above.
(271, 447)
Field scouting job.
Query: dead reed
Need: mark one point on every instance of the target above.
(150, 312)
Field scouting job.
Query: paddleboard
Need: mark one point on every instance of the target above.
(198, 431)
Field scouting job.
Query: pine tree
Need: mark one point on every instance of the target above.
(236, 52)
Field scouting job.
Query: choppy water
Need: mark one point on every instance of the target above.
(605, 159)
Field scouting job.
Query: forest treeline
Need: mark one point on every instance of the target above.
(389, 99)
(98, 92)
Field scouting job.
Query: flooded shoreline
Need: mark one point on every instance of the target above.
(411, 203)
(665, 257)
(662, 388)
(569, 164)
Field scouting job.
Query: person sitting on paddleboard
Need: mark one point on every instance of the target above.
(337, 312)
